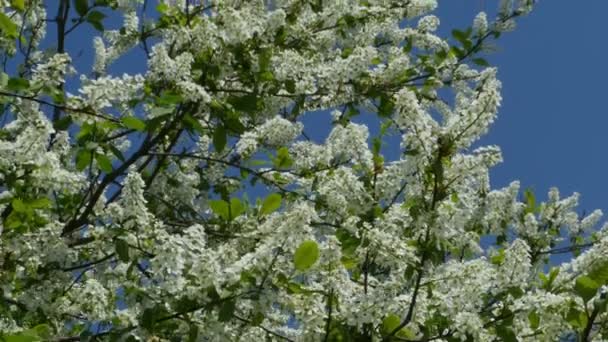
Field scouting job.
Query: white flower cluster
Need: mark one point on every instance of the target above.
(274, 133)
(53, 72)
(107, 91)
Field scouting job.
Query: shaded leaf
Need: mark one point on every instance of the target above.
(226, 311)
(219, 138)
(81, 6)
(122, 250)
(83, 159)
(104, 163)
(94, 18)
(481, 62)
(17, 84)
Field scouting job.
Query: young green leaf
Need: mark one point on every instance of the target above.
(391, 322)
(534, 320)
(220, 208)
(8, 27)
(306, 255)
(586, 287)
(133, 123)
(83, 159)
(236, 207)
(19, 5)
(18, 205)
(270, 204)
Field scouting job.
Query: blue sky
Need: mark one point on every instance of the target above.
(552, 124)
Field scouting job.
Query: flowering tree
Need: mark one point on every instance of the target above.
(124, 203)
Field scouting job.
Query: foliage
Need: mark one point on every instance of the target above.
(125, 210)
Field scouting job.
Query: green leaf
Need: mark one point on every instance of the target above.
(247, 103)
(576, 318)
(42, 330)
(17, 84)
(236, 207)
(116, 152)
(40, 203)
(548, 281)
(226, 311)
(19, 206)
(481, 62)
(530, 201)
(391, 322)
(270, 204)
(104, 163)
(290, 86)
(193, 124)
(346, 52)
(219, 138)
(3, 79)
(498, 258)
(83, 159)
(506, 334)
(220, 208)
(81, 6)
(599, 273)
(94, 18)
(459, 35)
(122, 250)
(193, 333)
(306, 255)
(133, 123)
(586, 287)
(162, 8)
(8, 27)
(283, 159)
(257, 318)
(169, 98)
(23, 337)
(19, 5)
(159, 111)
(13, 221)
(148, 318)
(63, 123)
(264, 59)
(534, 320)
(386, 107)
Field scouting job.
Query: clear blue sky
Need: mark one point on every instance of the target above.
(553, 125)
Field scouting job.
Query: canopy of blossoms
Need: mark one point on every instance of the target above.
(189, 203)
